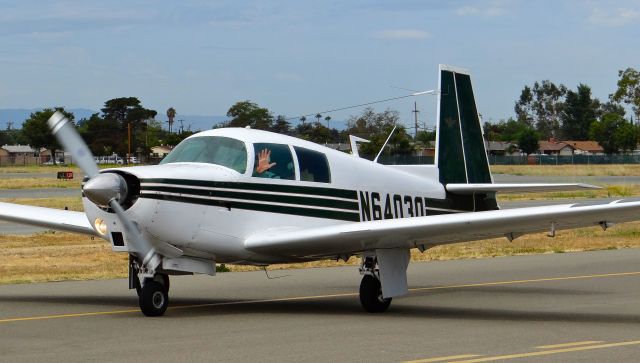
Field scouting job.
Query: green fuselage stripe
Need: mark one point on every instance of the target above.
(282, 188)
(306, 212)
(276, 198)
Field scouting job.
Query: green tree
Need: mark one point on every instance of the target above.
(612, 107)
(508, 130)
(524, 107)
(98, 133)
(281, 125)
(579, 111)
(614, 133)
(36, 131)
(528, 141)
(315, 132)
(541, 104)
(628, 89)
(375, 127)
(247, 113)
(122, 112)
(171, 114)
(425, 136)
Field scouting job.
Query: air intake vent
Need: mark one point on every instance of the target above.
(117, 239)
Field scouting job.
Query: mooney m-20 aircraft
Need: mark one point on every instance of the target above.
(243, 196)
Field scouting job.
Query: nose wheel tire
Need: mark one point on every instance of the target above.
(153, 299)
(371, 295)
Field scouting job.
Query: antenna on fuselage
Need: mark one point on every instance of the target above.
(385, 144)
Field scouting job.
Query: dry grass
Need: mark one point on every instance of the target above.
(58, 256)
(72, 203)
(607, 191)
(569, 170)
(38, 169)
(38, 183)
(65, 256)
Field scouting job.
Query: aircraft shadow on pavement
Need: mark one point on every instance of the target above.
(346, 306)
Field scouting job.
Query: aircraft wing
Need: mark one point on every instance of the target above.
(428, 231)
(62, 220)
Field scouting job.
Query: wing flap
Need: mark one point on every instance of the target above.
(466, 189)
(62, 220)
(439, 229)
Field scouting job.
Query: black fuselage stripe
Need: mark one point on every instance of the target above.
(283, 188)
(300, 211)
(287, 199)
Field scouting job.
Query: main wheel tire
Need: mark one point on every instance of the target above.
(371, 295)
(153, 299)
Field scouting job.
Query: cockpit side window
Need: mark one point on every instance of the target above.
(218, 150)
(314, 166)
(273, 161)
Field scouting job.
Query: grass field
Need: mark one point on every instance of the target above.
(54, 256)
(569, 170)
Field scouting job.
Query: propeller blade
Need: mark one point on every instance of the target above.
(67, 135)
(150, 258)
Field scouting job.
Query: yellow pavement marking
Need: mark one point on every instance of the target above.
(564, 345)
(513, 282)
(299, 298)
(547, 352)
(442, 359)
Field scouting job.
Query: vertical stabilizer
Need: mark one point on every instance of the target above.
(461, 156)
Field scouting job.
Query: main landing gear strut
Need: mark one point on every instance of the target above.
(371, 297)
(152, 289)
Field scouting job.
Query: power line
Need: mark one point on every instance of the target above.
(365, 104)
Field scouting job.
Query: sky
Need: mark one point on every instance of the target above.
(303, 57)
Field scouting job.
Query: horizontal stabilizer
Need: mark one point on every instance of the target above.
(465, 189)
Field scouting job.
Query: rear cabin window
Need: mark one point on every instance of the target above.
(313, 165)
(273, 161)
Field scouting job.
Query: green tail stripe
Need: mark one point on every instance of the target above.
(473, 141)
(450, 157)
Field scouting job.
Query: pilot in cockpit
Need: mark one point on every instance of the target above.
(273, 161)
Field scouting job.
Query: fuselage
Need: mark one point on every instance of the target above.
(209, 206)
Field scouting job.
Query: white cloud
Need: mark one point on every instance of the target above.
(402, 34)
(489, 11)
(613, 17)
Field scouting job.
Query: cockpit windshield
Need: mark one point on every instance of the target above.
(218, 150)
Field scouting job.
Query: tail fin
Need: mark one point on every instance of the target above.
(461, 156)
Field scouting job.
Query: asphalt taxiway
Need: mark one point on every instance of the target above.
(556, 307)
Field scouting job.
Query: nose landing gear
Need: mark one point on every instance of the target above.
(153, 293)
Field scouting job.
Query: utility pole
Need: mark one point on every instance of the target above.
(415, 116)
(181, 125)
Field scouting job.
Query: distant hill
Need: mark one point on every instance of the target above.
(18, 115)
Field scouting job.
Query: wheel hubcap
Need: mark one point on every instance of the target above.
(158, 299)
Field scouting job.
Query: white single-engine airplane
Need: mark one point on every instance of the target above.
(244, 196)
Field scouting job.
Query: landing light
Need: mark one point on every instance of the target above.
(101, 226)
